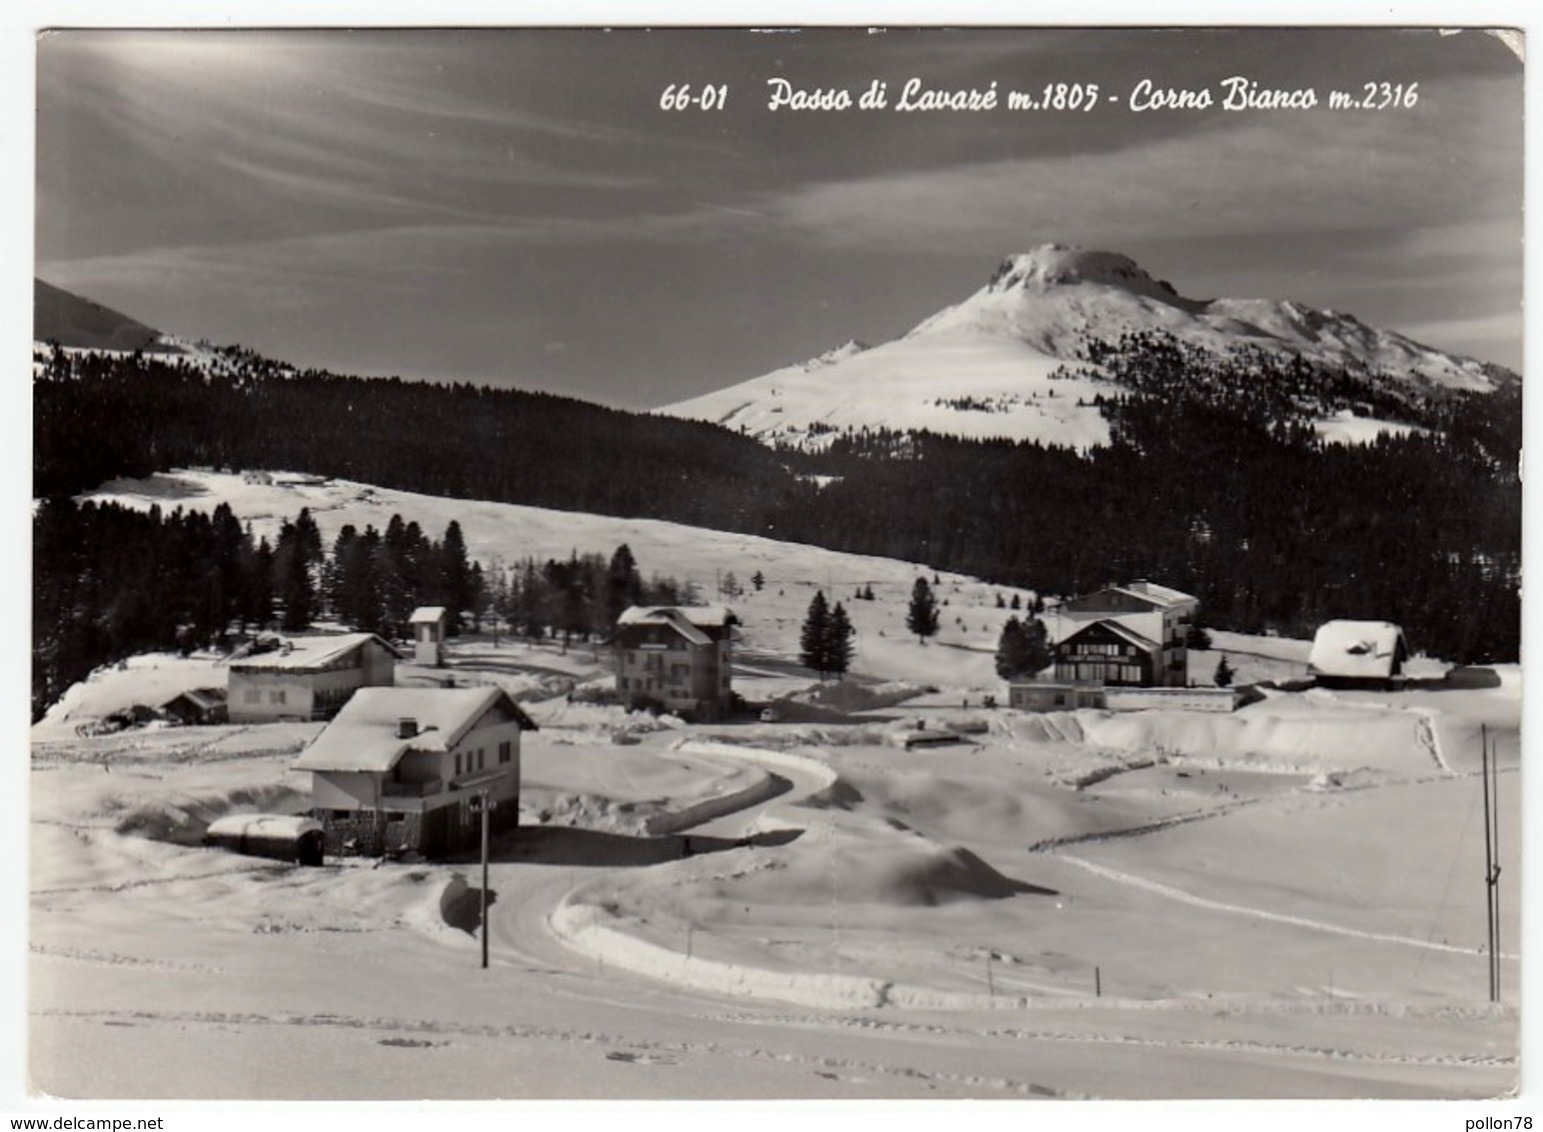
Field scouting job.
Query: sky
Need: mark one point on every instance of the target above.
(514, 206)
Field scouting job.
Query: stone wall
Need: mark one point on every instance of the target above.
(433, 833)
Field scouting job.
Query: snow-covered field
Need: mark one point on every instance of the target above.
(1281, 902)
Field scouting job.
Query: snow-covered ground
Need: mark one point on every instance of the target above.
(1280, 902)
(1075, 905)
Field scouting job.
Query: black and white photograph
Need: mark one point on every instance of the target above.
(874, 563)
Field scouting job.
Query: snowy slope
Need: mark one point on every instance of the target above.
(961, 655)
(983, 367)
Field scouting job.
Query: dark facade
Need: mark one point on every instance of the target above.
(1106, 653)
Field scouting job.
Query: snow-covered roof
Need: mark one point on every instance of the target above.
(307, 652)
(364, 736)
(204, 698)
(427, 614)
(276, 826)
(1163, 595)
(1126, 634)
(687, 620)
(1144, 593)
(706, 616)
(1356, 649)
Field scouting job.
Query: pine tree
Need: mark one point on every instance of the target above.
(531, 602)
(838, 642)
(1039, 654)
(1012, 661)
(481, 596)
(758, 580)
(922, 616)
(623, 584)
(456, 582)
(813, 638)
(1224, 673)
(292, 578)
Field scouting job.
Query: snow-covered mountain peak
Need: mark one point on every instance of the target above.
(1012, 359)
(1056, 265)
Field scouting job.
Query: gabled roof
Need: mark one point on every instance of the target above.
(1150, 594)
(201, 698)
(687, 620)
(1163, 595)
(1356, 649)
(1130, 636)
(308, 652)
(427, 614)
(364, 736)
(707, 616)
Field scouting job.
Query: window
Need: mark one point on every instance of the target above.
(458, 763)
(480, 755)
(276, 697)
(503, 751)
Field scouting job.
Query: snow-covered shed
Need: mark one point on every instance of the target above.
(305, 678)
(1352, 653)
(428, 622)
(397, 769)
(678, 656)
(281, 837)
(197, 705)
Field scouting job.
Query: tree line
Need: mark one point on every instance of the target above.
(1214, 481)
(110, 581)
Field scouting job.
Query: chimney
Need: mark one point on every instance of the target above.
(406, 727)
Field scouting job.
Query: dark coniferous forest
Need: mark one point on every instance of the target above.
(1214, 481)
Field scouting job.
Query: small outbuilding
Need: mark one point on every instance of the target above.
(428, 622)
(197, 705)
(279, 837)
(1358, 654)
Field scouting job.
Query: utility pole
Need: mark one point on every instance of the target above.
(1489, 776)
(483, 801)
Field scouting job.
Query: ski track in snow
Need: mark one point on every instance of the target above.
(1160, 889)
(652, 1049)
(1085, 1037)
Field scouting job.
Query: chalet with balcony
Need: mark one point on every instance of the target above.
(678, 657)
(396, 771)
(1147, 626)
(1108, 653)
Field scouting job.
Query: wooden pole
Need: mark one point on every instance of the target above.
(1489, 861)
(486, 805)
(1494, 882)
